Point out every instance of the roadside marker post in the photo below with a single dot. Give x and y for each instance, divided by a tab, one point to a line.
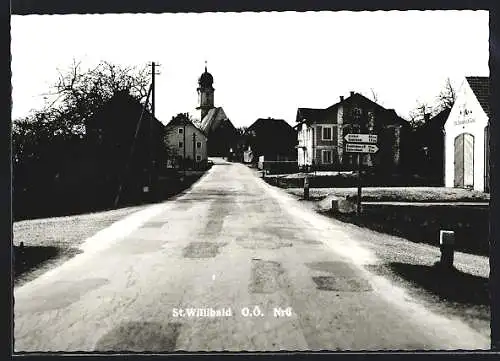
306	187
360	144
447	248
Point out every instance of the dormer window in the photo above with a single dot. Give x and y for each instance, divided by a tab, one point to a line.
181	130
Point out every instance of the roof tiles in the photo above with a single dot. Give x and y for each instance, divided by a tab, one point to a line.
480	85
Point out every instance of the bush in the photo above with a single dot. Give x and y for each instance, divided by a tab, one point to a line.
281	167
351	180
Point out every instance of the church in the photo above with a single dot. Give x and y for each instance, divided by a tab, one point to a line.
221	133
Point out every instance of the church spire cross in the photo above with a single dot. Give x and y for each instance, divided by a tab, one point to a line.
205	66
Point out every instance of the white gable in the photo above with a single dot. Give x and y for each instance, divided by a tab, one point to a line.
467	112
466	117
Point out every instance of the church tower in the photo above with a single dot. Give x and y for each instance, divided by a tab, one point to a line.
205	92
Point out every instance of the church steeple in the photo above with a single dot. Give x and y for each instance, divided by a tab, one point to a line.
205	92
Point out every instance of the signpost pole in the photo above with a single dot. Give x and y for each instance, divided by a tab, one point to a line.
360	144
358	208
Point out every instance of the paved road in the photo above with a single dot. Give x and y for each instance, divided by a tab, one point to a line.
232	242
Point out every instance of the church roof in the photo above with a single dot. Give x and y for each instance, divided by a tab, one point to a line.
215	118
180	121
480	85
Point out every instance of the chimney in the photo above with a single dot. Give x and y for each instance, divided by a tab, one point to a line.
341	98
352	93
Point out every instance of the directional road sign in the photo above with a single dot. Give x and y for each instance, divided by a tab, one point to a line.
361	138
360	148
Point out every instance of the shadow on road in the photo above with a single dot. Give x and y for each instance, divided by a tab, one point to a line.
28	258
453	286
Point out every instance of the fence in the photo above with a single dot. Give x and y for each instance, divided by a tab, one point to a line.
279	166
351	180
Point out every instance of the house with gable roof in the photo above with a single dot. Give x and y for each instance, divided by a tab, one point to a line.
186	143
272	138
321	133
467	137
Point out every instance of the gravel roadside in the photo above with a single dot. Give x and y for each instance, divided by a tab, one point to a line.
53	241
410	265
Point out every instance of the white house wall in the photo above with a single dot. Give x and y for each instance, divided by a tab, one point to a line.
173	139
479	120
305	138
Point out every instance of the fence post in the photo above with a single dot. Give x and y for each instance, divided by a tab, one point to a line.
447	247
306	187
22	255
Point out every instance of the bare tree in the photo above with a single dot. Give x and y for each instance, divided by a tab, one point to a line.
419	114
374	95
446	97
241	130
78	93
444	100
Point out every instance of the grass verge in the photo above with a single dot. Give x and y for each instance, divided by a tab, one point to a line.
398	194
422	224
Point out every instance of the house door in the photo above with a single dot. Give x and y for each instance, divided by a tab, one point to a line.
487	159
464	161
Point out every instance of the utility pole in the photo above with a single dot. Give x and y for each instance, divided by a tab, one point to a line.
184	146
194	149
132	148
151	120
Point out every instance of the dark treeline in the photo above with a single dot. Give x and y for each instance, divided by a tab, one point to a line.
73	156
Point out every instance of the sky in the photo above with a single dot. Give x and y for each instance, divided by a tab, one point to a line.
263	64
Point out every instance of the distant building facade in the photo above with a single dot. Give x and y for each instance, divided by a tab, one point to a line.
272	138
467	137
321	132
185	142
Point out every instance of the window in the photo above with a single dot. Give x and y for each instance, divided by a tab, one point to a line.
327	156
198	157
180	144
198	144
180	130
327	133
